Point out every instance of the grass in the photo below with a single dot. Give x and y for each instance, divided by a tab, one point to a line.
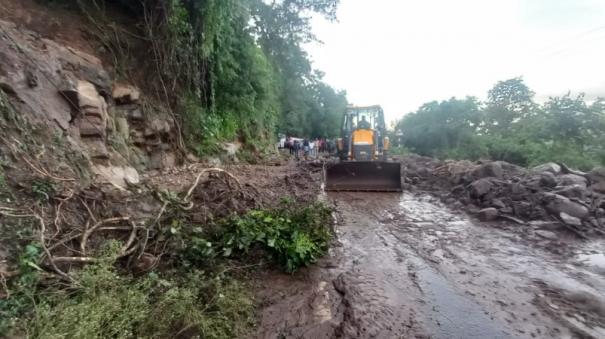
106	304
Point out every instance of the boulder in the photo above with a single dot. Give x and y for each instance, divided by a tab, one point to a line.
558	204
522	209
125	94
573	191
597	175
546	234
458	190
117	176
548	167
491	169
598	187
569	220
497	203
479	188
488	214
572	179
544	224
548	179
518	189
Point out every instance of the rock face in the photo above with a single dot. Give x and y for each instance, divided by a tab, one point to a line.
125	94
70	92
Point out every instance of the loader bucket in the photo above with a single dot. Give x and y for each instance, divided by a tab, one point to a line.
371	176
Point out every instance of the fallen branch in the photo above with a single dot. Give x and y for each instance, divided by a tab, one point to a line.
42	239
204	171
91	230
44	172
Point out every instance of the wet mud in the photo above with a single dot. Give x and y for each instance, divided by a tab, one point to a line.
406	266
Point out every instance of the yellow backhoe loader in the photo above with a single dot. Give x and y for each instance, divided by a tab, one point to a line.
362	151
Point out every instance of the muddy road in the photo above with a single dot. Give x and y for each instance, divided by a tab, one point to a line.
405	266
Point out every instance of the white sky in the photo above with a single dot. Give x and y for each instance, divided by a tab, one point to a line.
403	53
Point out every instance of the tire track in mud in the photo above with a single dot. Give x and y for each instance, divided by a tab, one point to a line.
408	267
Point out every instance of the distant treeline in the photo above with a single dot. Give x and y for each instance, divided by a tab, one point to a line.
510	126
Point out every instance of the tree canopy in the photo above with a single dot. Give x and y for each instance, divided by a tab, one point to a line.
510	126
240	68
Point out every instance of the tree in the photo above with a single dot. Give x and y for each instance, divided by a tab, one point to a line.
508	102
440	126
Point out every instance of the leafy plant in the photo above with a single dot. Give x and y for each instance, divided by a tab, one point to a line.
293	236
42	189
22	290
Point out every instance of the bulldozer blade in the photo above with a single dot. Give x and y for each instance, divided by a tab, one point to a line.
371	176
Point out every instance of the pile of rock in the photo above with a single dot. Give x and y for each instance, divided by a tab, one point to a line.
548	192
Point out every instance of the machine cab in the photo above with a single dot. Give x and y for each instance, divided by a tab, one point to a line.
362	133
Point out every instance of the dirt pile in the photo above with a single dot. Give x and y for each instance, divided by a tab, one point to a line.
72	224
549	194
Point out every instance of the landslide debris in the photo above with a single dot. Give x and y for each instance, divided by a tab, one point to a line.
550	195
87	161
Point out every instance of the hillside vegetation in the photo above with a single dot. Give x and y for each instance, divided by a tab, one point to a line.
231	69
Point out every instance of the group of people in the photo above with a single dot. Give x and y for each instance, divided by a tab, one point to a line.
306	148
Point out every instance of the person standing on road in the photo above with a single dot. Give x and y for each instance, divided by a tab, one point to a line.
289	145
296	149
306	148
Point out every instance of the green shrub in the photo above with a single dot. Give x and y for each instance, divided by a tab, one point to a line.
42	189
292	235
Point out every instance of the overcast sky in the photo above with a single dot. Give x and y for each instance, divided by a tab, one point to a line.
403	53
